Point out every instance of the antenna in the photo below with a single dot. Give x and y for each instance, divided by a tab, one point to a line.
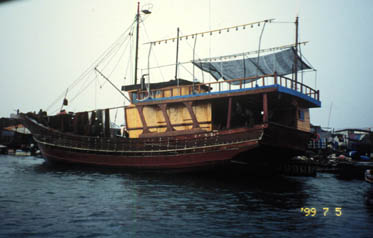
146	10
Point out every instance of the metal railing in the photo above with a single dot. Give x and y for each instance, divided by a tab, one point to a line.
229	85
163	145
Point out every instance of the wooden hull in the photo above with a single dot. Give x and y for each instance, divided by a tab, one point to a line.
185	152
182	161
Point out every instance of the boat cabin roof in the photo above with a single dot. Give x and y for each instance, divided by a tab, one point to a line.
171	83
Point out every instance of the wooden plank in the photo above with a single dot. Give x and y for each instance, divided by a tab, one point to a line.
173	124
163	107
188	105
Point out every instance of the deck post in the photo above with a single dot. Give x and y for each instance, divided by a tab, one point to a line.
91	123
76	123
142	118
107	123
229	113
86	123
62	123
265	108
188	105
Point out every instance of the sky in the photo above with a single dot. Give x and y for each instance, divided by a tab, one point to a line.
46	45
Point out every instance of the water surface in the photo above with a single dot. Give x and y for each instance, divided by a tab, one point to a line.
40	200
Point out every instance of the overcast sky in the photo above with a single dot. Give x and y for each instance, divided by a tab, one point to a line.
46	44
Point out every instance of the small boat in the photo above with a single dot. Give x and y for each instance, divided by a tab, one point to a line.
14	135
369	176
253	112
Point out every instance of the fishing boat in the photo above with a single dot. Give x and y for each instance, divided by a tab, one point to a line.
256	111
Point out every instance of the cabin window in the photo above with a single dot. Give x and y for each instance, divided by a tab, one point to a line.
134	96
301	114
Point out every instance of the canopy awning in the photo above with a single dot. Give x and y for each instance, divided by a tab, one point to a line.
281	62
18	128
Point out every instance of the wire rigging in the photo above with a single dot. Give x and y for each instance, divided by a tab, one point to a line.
87	72
118	61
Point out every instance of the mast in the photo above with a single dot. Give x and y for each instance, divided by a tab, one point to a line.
296	51
137	39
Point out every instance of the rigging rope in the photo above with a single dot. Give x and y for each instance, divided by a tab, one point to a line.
118	61
129	62
91	67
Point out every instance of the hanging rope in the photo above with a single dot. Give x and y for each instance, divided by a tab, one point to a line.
227	29
129	62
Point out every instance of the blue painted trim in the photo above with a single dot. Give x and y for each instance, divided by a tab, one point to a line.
279	88
298	94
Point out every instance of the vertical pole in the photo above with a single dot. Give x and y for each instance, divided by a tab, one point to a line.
137	39
177	56
150	49
296	53
265	108
194	53
229	113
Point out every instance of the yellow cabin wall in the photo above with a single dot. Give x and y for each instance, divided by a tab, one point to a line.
177	113
203	114
132	120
